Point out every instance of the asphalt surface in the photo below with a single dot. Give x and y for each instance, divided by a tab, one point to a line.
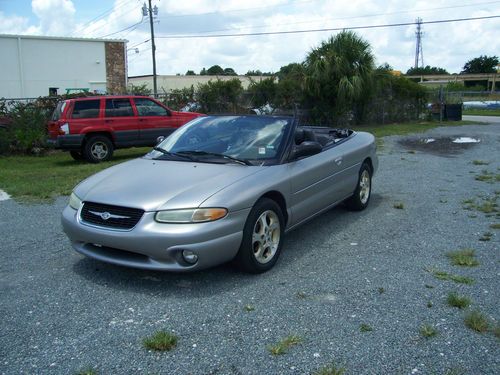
62	312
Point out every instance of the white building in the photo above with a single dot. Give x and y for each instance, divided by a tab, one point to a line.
33	66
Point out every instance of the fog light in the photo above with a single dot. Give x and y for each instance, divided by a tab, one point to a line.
189	256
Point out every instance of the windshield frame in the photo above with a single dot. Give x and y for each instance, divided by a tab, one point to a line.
276	159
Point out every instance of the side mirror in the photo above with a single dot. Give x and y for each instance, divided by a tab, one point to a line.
306	148
160	139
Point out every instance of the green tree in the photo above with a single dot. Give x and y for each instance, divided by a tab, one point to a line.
215	70
426	70
339	76
481	64
230	72
203	72
190	73
262	92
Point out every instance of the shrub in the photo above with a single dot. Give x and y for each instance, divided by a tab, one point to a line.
219	96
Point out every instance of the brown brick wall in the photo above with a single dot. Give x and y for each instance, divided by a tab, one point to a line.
116	71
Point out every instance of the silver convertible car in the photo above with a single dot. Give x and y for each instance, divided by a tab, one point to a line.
220	188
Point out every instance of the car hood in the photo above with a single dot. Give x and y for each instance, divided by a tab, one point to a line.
161	184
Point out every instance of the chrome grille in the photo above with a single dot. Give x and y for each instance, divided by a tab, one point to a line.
109	216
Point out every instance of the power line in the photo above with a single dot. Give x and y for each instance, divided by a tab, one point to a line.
135	25
88	24
356	17
323	29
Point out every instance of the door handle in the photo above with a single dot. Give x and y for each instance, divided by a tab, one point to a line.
338	160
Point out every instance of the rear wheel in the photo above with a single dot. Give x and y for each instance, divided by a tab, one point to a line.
262	237
361	197
98	148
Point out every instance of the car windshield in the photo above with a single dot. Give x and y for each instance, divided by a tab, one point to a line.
227	139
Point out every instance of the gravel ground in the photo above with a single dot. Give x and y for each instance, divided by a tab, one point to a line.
62	313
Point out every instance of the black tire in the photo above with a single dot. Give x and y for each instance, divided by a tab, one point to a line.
98	148
247	258
359	200
76	155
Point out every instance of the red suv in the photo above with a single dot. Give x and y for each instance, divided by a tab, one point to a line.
92	127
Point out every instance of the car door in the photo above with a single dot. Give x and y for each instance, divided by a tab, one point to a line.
120	117
319	181
154	120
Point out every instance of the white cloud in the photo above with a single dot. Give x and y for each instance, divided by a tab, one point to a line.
444	45
56	16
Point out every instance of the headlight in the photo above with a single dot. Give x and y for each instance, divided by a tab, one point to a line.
191	215
74	201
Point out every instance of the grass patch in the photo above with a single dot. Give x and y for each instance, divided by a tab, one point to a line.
486	236
477	321
455	300
249	308
160	341
408	128
486	176
381	290
481	112
464	258
428	331
429	304
442	275
36	178
87	371
495	226
331	369
365	328
480	162
285	344
399	206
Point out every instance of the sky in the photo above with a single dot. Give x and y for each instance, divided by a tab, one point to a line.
446	45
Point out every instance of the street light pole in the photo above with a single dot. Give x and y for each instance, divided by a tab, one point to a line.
153	48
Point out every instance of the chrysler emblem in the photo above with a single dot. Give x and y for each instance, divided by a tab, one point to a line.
106	215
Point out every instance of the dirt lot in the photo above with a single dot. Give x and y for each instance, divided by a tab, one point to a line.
356	288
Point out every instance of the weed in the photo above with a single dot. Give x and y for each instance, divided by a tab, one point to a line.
428	331
160	341
411	151
442	275
477	321
87	371
365	328
428	286
486	236
331	369
464	257
249	308
285	344
495	226
429	304
443	201
381	290
488	176
455	300
480	162
496	331
301	295
399	206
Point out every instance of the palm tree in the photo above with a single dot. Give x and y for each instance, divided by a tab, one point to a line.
339	77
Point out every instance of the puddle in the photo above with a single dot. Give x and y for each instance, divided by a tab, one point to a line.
466	140
3	195
442	146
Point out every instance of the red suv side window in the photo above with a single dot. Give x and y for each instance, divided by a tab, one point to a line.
147	107
118	108
86	109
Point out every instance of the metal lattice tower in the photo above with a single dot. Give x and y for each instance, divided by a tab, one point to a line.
419	53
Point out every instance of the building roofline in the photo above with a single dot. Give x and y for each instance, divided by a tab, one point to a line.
16	36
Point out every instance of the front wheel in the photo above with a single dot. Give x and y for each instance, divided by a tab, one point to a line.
361	197
98	148
262	237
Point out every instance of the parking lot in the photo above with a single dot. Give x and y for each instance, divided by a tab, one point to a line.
337	274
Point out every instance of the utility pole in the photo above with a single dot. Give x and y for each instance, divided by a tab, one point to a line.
419	53
145	11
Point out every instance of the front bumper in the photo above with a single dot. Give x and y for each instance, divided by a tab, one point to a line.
155	246
67	142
